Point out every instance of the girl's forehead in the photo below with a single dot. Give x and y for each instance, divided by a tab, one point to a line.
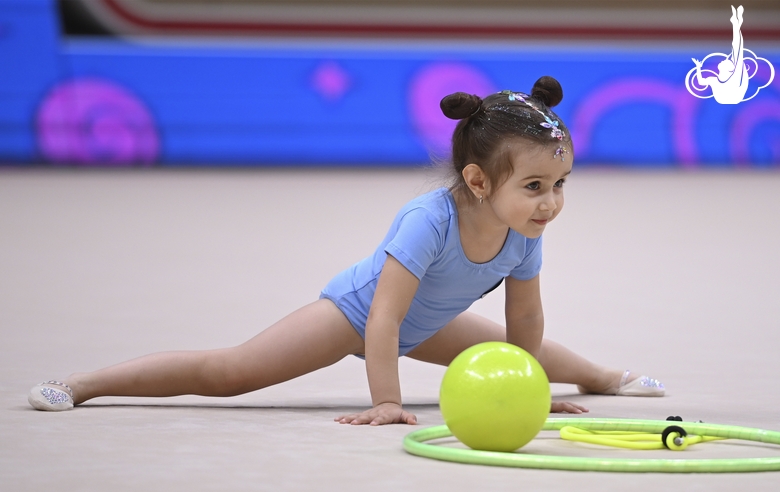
552	172
545	158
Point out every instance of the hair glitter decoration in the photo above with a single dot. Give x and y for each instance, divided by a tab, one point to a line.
516	96
561	151
555	132
532	130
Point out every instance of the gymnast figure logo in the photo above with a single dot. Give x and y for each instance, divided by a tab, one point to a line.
730	84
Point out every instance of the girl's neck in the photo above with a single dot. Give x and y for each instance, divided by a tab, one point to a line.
482	235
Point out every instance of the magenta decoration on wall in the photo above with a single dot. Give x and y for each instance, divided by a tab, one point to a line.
428	87
330	81
614	94
745	123
96	122
749	119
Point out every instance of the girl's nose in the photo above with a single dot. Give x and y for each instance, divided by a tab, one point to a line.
548	203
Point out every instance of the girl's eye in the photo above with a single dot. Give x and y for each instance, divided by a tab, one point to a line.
559	183
533	186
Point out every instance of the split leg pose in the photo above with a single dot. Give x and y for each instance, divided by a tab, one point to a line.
309	339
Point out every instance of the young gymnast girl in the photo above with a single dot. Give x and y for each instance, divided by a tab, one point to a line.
511	155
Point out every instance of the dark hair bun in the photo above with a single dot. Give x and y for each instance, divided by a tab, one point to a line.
548	90
460	105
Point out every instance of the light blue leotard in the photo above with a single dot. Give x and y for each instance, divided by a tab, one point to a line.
424	238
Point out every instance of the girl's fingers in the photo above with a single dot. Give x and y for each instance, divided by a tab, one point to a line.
402	418
378	417
574	408
354	419
361	420
570	409
381	419
372	418
565	406
346	419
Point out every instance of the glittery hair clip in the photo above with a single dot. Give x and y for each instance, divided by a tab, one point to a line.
517	96
561	151
555	132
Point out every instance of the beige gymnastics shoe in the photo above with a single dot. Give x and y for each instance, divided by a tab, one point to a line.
51	396
641	386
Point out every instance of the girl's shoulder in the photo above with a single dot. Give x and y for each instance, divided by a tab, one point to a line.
438	204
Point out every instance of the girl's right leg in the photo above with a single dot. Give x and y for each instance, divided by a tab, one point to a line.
561	364
312	337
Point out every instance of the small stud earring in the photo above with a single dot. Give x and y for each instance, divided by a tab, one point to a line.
480	199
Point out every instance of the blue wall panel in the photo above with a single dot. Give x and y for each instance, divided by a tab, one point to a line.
29	65
106	101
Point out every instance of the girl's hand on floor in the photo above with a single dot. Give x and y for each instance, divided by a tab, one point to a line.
565	406
384	413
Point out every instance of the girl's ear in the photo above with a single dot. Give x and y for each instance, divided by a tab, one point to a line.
476	180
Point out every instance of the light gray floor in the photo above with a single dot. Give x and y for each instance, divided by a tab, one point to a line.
674	275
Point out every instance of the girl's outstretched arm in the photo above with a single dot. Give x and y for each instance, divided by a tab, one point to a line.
524	314
525	325
394	293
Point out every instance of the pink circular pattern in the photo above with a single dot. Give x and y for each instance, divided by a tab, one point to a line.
96	122
623	91
745	123
428	87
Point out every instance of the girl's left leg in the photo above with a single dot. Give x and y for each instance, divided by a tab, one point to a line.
314	336
561	364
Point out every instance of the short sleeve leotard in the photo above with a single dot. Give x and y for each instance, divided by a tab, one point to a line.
424	238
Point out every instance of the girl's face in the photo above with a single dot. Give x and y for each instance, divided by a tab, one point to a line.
532	196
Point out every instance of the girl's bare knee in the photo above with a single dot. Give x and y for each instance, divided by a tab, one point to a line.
224	375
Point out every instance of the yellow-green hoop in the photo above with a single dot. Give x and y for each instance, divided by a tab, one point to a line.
414	443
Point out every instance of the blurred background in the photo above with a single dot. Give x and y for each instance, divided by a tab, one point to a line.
166	83
330	110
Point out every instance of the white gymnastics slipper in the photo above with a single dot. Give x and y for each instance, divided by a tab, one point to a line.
641	386
51	396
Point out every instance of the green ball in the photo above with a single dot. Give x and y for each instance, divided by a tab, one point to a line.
495	397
